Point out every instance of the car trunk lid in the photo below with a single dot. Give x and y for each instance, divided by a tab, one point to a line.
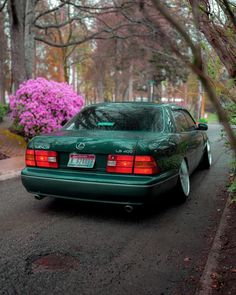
88	144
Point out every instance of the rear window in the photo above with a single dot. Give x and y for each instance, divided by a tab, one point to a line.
126	118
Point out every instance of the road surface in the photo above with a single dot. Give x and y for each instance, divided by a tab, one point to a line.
64	247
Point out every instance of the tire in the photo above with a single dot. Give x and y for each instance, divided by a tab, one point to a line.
207	157
183	184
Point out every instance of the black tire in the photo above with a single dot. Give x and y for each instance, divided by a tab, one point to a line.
207	157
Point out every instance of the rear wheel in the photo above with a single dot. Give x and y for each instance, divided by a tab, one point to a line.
207	157
183	184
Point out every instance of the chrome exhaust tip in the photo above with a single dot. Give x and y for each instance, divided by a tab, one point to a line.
37	197
129	208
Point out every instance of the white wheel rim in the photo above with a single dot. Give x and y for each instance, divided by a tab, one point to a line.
184	178
209	155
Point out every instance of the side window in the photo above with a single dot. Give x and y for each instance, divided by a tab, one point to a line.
191	123
157	124
169	122
180	121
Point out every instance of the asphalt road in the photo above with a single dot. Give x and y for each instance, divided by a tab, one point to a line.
63	247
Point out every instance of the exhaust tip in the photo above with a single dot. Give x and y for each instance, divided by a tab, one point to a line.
38	197
129	208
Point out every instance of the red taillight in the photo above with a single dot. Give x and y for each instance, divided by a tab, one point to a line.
145	165
120	163
30	158
46	159
132	164
41	158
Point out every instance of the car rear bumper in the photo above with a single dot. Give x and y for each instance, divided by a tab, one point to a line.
98	187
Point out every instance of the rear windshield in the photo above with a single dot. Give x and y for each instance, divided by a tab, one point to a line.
135	118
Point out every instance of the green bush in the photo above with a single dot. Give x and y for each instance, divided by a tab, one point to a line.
231	108
7	108
202	120
3	111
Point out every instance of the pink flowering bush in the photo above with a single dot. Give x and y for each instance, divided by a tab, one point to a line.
42	106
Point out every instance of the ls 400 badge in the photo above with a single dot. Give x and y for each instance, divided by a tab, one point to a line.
42	146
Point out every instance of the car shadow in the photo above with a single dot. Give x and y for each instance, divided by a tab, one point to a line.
73	208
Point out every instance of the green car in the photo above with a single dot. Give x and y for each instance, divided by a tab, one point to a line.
124	153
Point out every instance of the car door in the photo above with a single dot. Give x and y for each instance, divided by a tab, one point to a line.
191	139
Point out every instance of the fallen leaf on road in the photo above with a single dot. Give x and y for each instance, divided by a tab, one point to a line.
214	275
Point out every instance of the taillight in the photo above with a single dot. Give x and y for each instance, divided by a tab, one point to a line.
41	158
46	159
30	158
132	164
145	165
120	163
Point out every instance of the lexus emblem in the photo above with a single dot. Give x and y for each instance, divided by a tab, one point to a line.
80	146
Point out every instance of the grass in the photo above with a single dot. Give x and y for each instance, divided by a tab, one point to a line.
14	137
212	118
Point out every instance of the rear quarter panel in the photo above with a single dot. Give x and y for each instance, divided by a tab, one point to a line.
167	149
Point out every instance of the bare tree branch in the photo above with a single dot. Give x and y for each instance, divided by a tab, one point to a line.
71	43
49	11
57	25
217	35
110	33
177	25
98	7
3	5
229	11
198	70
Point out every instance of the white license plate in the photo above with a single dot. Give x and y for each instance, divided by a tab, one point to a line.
81	160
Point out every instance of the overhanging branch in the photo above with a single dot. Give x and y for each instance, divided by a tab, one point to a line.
3	5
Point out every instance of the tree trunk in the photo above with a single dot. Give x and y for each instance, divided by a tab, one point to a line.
117	86
117	69
131	81
21	14
100	82
2	60
65	72
29	36
16	15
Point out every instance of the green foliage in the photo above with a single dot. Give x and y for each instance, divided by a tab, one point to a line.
17	128
202	120
3	111
231	108
212	118
232	187
7	108
214	67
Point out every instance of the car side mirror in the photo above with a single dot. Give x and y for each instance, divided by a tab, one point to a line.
202	126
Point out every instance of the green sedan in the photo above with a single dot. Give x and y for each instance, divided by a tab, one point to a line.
125	153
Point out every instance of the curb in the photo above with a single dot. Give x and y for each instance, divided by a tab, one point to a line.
11	168
10	175
212	260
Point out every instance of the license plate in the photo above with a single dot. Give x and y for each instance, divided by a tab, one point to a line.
81	161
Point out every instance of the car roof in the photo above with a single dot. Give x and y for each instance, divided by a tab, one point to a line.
137	103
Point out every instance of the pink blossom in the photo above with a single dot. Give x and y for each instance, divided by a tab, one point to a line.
41	106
